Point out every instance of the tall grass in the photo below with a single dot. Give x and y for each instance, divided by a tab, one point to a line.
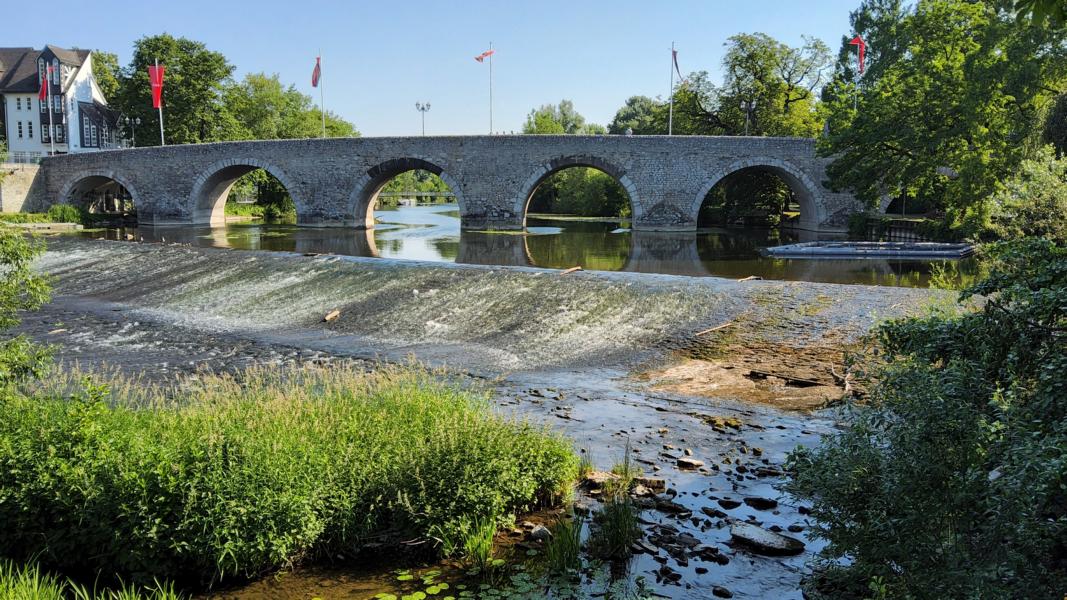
29	582
236	477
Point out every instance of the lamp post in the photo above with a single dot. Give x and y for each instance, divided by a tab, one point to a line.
133	123
748	106
423	109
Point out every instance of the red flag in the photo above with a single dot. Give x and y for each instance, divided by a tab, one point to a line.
317	73
155	78
43	94
484	55
858	41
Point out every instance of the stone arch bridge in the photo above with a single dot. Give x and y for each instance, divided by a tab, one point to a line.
335	182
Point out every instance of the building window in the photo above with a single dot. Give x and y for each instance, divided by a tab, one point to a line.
18	103
20	130
59	133
30	129
57	104
55	70
40	69
93	141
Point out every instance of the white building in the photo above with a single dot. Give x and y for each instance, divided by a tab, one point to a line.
77	120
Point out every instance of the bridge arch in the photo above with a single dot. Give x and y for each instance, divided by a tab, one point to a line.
364	195
808	194
551	167
89	179
212	186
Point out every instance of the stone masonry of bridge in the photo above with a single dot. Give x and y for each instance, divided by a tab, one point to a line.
335	182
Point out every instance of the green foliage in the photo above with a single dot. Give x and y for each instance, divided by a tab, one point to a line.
1056	126
192	93
417	180
1033	203
639	114
744	195
563	552
226	477
107	73
271	198
952	482
1050	12
954	100
24	218
65	213
265	109
582	191
20	289
559	119
29	582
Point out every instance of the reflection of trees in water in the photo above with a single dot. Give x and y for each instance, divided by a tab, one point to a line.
590	245
446	248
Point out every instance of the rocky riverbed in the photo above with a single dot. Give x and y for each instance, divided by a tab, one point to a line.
710	382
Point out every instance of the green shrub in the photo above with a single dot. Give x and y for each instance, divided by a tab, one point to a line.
232	477
24	218
952	482
1034	201
21	289
65	213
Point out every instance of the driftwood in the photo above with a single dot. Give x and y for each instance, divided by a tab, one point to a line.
843	380
571	270
750	278
333	314
716	328
809	382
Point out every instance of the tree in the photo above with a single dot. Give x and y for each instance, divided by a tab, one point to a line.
1056	126
950	117
192	93
638	114
1052	12
558	119
265	109
107	73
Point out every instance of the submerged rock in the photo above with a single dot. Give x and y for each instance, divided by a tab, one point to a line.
765	542
689	463
760	503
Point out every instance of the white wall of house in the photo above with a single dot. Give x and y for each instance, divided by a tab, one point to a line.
23	109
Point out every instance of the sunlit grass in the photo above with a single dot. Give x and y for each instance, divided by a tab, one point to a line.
221	476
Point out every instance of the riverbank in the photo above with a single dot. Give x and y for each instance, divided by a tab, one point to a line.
589	353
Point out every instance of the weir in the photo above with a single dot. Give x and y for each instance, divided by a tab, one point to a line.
336	182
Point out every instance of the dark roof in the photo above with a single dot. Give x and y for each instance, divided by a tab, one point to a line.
100	112
70	57
18	70
18	66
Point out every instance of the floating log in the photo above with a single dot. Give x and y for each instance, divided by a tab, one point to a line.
571	270
330	316
750	278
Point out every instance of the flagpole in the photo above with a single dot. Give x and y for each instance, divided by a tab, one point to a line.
490	88
670	112
51	128
322	97
161	141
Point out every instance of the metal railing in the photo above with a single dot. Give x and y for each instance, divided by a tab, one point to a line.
24	157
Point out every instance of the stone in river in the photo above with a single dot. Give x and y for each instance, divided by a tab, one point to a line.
689	463
729	504
760	503
765	542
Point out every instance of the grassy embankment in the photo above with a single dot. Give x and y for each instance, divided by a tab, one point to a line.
227	478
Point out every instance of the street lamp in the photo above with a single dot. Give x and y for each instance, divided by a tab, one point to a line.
748	106
423	109
133	123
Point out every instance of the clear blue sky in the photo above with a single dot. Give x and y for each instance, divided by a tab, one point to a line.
379	58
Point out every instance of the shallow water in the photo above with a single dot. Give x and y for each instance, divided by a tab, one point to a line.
433	233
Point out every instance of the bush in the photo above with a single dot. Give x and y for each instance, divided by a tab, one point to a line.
952	483
1034	202
24	218
65	213
242	477
20	289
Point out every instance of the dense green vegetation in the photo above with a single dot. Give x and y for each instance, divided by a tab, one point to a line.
29	582
957	94
234	478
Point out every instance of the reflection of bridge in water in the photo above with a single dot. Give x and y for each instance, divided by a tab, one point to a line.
677	253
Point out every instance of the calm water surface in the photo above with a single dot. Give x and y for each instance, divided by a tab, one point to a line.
433	233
